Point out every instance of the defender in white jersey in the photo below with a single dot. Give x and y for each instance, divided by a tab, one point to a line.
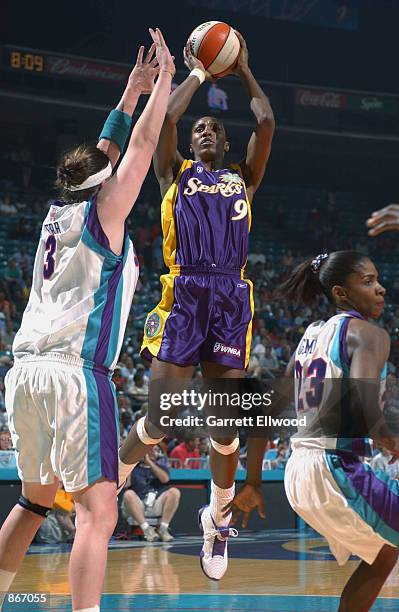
59	395
73	329
339	368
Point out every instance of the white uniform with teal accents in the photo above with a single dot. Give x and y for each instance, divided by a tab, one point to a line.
326	479
59	395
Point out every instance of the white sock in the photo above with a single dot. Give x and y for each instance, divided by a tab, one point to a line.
144	525
6	579
93	609
164	525
219	498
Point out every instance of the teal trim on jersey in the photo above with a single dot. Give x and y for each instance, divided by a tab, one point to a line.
357	502
94	471
335	353
94	321
116	319
93	245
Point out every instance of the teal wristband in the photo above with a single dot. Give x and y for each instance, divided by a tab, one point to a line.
117	128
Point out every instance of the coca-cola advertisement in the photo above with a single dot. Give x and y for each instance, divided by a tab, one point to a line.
85	69
320	99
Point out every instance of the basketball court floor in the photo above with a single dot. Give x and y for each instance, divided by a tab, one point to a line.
276	571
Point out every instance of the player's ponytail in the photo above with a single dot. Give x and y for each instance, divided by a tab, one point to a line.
75	168
303	286
319	275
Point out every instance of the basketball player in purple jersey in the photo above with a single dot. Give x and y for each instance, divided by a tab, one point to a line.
205	315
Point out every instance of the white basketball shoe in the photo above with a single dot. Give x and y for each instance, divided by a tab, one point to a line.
213	557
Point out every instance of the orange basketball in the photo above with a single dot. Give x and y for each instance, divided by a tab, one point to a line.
216	45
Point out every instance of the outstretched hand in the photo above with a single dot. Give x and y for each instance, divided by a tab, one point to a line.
163	55
247	499
145	71
384	220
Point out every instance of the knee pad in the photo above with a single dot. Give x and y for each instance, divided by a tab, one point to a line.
35	508
226	449
143	435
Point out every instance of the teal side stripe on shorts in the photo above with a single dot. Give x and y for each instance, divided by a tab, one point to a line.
94	471
357	501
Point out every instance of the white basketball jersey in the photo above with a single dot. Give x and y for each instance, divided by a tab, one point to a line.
81	291
321	391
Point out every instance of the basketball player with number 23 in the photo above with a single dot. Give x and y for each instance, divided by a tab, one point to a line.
205	314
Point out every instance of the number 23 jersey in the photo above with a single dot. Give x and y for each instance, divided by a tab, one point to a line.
206	218
322	389
81	291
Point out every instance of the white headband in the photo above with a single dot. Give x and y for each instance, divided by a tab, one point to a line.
94	179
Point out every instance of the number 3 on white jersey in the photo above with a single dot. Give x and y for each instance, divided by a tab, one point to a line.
241	208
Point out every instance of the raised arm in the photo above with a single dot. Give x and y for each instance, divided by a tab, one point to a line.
117	125
117	197
167	159
259	146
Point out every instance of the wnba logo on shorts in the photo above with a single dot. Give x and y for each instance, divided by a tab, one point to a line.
152	325
228	350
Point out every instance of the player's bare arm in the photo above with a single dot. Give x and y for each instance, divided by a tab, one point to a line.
368	348
118	196
260	142
141	81
250	495
167	159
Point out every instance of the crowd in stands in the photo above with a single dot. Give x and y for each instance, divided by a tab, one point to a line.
277	326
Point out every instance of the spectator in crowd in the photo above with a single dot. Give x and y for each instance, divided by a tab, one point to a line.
7	207
269	363
59	525
22	229
2	402
203	449
148	495
13	275
381	461
217	98
117	378
127	369
138	390
188	449
258	255
282	455
5	440
24	259
5	363
157	254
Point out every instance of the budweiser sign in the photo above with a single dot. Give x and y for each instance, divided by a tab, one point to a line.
83	69
320	99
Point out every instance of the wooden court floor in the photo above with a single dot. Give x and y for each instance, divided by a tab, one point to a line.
276	571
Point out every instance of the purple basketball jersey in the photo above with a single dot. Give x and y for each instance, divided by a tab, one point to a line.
212	218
